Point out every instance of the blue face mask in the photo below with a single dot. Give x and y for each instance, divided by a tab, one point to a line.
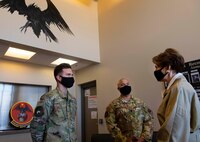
159	75
125	90
68	82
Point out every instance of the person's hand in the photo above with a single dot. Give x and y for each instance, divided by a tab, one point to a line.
141	140
129	139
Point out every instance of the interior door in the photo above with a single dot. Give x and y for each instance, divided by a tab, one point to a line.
89	111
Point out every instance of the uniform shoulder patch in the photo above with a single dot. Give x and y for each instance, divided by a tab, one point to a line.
39	111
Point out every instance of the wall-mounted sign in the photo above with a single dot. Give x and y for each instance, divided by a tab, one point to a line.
192	74
92	101
21	114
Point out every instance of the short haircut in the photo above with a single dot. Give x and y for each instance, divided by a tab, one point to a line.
58	69
170	57
120	82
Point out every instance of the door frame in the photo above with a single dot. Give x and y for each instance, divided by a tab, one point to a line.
83	87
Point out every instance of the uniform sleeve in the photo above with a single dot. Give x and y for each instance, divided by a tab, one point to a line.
112	126
38	124
147	131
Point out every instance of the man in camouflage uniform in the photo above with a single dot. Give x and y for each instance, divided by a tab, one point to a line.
54	117
128	119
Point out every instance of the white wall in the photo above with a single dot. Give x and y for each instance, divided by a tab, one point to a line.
82	18
80	15
131	33
16	72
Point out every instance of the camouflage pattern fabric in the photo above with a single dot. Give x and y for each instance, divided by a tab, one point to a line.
54	118
129	119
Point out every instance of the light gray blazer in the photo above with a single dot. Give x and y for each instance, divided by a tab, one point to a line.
179	113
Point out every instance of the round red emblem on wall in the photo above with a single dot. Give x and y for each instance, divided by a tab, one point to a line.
21	114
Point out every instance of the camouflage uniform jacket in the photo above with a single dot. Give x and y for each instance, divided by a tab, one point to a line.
54	118
126	119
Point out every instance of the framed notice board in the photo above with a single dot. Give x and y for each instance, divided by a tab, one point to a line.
192	74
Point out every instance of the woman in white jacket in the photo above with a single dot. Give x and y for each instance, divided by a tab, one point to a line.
179	111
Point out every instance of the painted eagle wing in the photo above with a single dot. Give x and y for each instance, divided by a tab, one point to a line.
52	16
14	5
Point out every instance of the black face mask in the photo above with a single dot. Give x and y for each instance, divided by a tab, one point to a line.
125	90
159	75
67	81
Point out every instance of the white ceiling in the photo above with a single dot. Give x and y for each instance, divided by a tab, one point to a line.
42	57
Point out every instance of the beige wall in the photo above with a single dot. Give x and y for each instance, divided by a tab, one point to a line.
132	32
80	15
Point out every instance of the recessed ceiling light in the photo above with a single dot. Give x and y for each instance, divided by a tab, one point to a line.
19	53
62	60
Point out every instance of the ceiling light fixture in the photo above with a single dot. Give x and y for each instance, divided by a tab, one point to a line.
62	60
19	53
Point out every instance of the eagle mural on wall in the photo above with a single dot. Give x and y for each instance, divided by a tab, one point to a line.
36	19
